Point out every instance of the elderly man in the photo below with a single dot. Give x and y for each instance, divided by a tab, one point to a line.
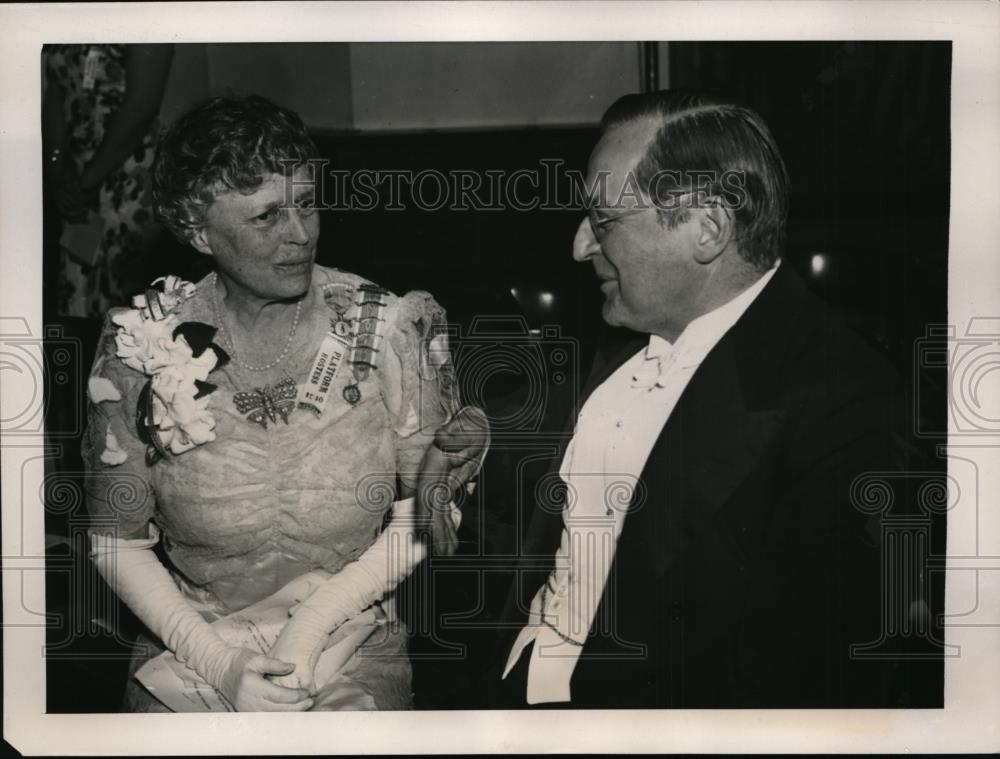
708	553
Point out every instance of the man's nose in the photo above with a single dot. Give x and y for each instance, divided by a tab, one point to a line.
296	228
585	245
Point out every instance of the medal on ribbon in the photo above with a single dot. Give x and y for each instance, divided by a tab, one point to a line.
371	302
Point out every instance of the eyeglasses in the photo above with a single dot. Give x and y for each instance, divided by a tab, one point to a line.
599	224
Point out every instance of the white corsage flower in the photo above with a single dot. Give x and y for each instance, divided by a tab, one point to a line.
175	419
141	342
182	420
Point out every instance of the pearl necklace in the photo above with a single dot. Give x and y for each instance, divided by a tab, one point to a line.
229	339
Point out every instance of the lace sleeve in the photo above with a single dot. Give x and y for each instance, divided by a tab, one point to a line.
118	489
421	392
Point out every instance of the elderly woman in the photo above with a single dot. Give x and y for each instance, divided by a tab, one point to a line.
258	427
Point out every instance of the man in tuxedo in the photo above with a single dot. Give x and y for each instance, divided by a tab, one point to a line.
708	552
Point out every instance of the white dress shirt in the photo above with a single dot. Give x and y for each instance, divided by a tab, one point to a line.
615	432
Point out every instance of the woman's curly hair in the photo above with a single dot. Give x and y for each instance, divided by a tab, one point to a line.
223	143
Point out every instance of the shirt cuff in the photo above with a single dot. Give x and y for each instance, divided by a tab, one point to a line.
551	668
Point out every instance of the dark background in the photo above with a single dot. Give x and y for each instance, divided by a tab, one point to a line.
864	129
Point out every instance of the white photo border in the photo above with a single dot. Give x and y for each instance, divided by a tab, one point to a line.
972	699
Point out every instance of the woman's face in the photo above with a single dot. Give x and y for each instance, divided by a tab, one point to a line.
264	242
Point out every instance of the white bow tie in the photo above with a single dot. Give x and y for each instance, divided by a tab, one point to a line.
661	358
653	370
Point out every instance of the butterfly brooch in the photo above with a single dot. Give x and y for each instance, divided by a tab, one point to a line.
271	402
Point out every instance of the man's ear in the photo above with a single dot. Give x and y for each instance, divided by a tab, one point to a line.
715	231
199	240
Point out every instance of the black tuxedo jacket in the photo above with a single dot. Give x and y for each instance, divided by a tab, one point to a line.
745	571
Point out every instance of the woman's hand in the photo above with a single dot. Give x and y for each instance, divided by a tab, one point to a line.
449	464
245	686
303	659
300	643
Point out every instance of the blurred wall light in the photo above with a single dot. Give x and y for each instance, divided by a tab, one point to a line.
818	263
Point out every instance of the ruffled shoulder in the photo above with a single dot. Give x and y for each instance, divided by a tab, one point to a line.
417	333
411	348
110	377
413	322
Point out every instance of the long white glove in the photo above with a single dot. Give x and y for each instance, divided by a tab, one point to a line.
142	582
390	560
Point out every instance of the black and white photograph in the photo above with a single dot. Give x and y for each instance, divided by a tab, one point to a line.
461	362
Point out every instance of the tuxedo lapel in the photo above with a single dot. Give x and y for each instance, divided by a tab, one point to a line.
709	446
720	428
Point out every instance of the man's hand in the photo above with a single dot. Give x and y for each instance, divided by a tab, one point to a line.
450	463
